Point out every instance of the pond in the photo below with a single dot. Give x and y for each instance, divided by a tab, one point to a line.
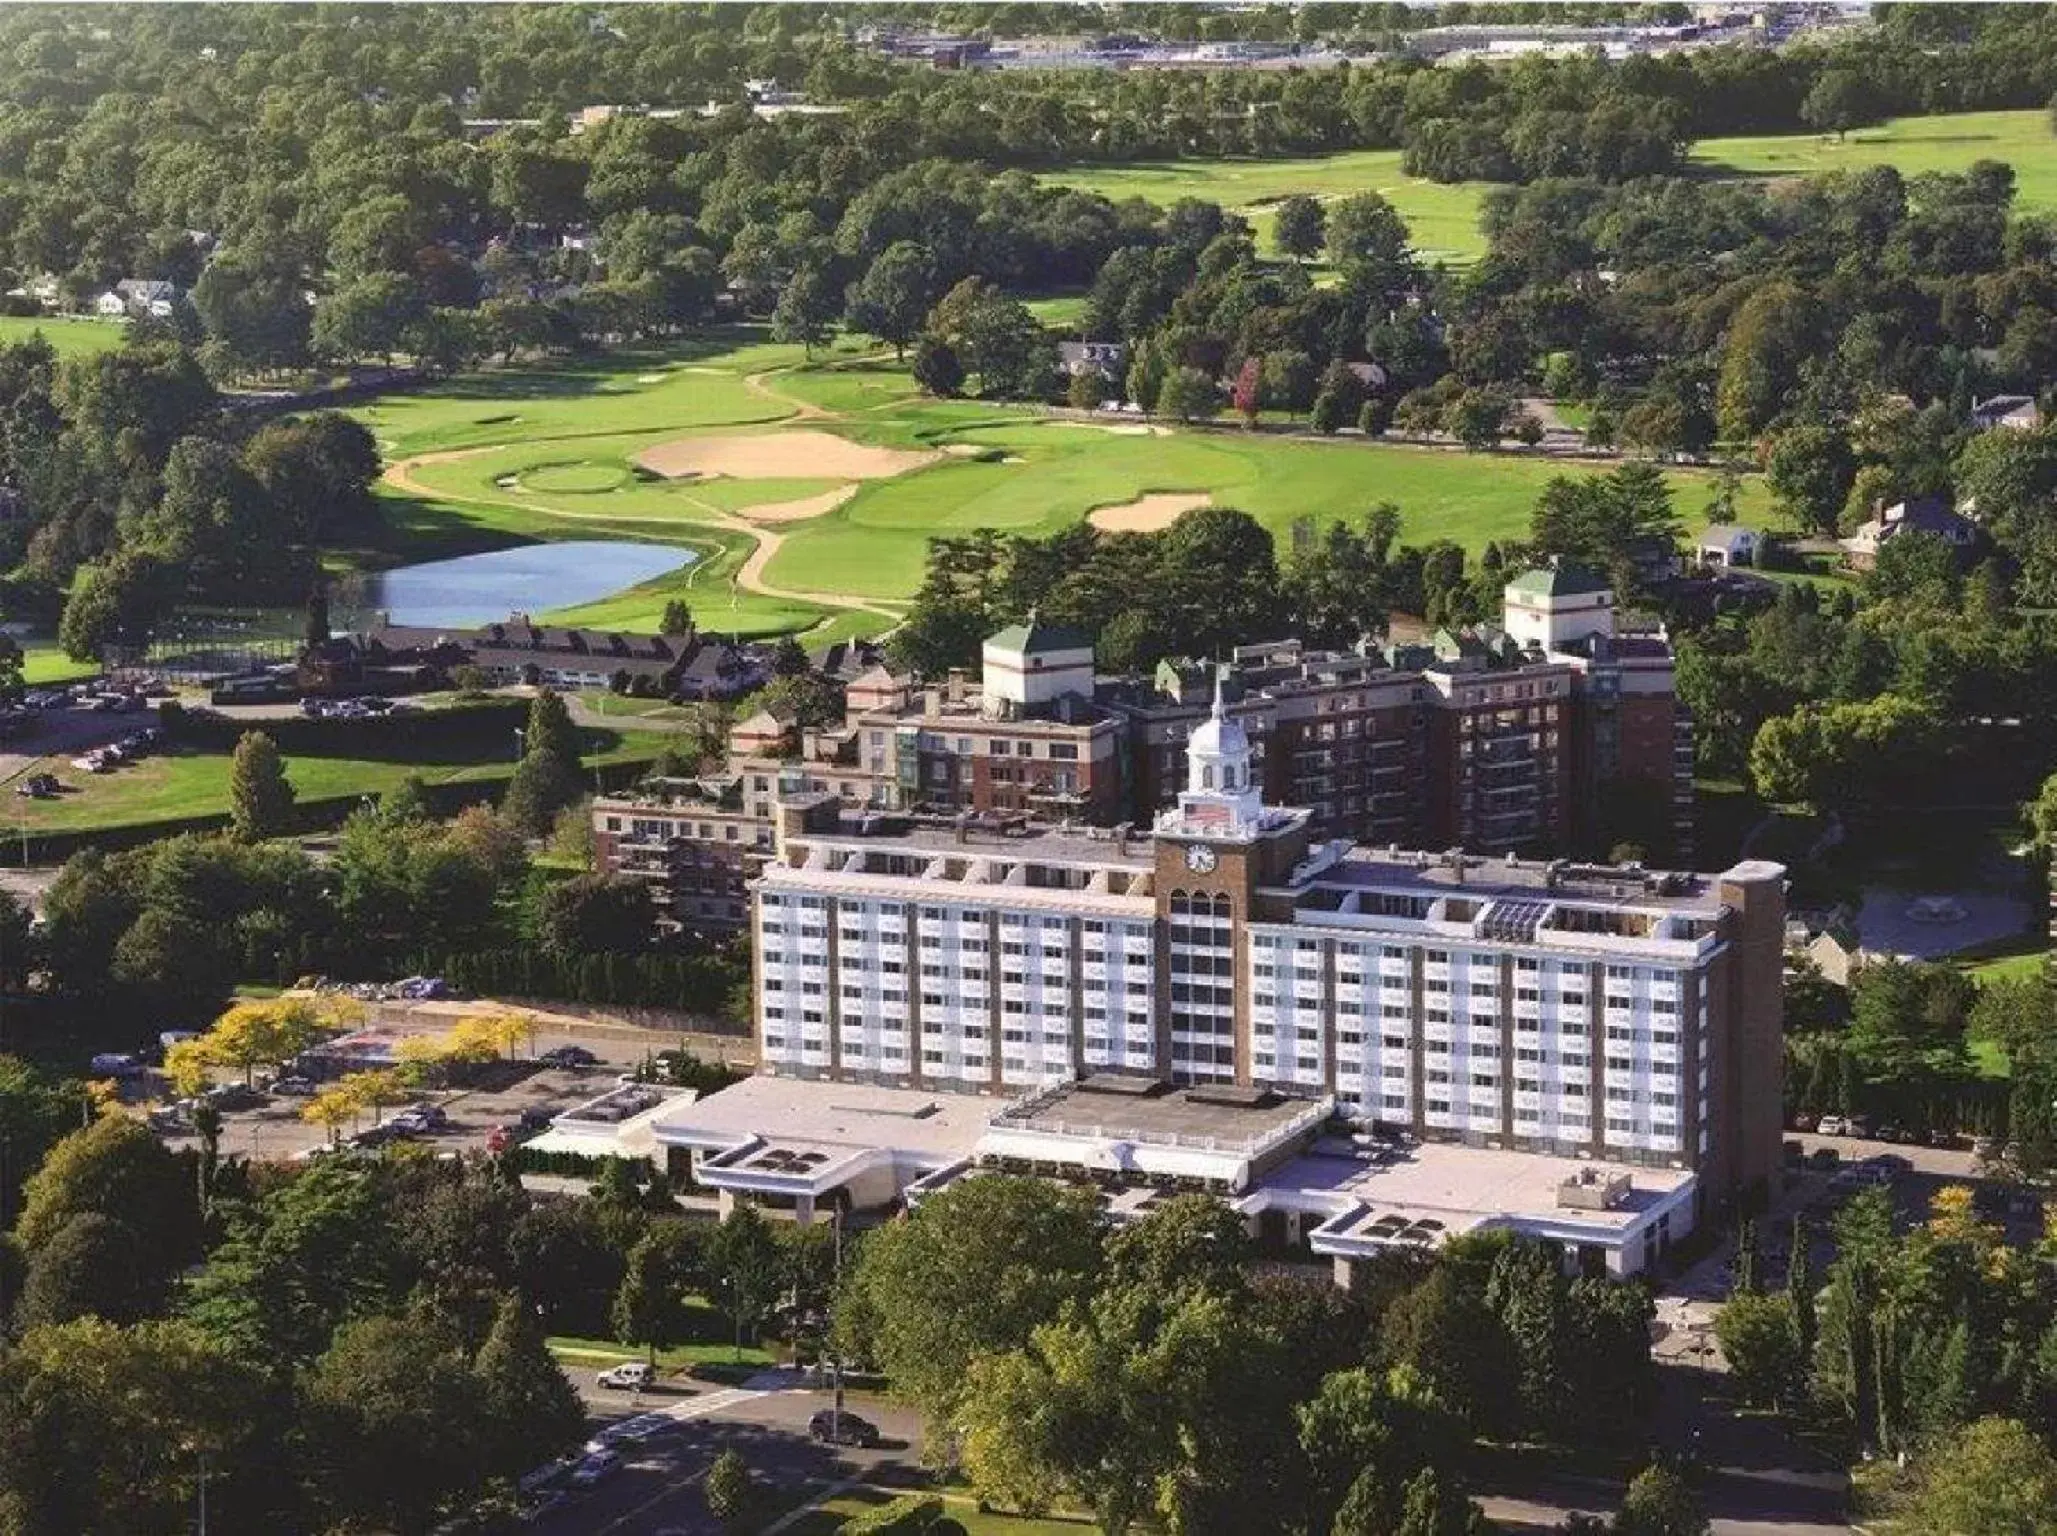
482	589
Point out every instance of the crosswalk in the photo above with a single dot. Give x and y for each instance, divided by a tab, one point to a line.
643	1426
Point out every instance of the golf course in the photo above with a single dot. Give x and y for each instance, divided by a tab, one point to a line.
1444	217
808	488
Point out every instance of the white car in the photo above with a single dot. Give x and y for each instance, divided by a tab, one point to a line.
1832	1125
631	1376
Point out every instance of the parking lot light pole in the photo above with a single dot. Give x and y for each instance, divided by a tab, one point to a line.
835	1355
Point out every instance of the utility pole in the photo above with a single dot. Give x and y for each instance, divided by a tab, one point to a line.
835	1356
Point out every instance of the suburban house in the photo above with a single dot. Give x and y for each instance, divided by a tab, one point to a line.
2017	411
1077	357
1727	545
151	296
1917	514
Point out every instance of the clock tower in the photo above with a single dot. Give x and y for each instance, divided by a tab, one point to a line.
1216	851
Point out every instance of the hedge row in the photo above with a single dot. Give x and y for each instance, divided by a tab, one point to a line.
911	1512
702	984
419	734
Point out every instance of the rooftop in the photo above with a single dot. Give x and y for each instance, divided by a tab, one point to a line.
1039	635
1561	580
797	1116
1385	1189
1142	1109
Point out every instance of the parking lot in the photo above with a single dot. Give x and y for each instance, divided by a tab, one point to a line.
271	1127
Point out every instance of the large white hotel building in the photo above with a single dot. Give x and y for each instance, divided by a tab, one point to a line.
1598	1013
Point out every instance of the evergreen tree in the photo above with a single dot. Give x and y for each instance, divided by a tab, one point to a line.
1800	1285
526	1403
1747	1260
728	1490
260	796
548	777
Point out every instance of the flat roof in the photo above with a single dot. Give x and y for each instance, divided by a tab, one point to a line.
797	1116
1190	1117
1457	1186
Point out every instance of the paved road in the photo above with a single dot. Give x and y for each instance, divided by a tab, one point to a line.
659	1488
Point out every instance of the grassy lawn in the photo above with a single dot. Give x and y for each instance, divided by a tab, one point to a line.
1911	144
43	663
832	1515
599	1353
1443	219
68	335
187	782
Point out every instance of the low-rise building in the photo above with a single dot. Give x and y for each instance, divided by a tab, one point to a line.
2020	413
1727	545
1917	514
692	842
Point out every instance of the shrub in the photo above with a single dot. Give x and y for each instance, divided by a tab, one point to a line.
908	1513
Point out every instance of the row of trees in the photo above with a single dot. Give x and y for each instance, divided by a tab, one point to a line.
1145	1373
133	490
1938	1341
171	925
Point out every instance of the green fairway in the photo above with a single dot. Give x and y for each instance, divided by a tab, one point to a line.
1910	144
876	543
68	335
1442	218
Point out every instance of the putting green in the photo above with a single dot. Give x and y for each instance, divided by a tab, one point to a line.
580	478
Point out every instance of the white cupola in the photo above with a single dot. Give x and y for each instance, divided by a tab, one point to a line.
1220	795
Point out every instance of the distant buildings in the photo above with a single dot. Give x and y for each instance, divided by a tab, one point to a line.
1917	514
1728	545
2021	413
1540	735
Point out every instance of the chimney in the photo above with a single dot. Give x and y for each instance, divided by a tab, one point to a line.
932	701
960	681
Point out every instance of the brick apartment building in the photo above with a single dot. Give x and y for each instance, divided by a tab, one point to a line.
1525	737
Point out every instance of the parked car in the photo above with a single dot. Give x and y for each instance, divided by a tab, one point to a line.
38	786
233	1096
594	1468
1804	1123
832	1428
630	1376
569	1056
296	1087
1892	1164
1832	1125
549	1475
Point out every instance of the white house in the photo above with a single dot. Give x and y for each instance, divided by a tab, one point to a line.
2020	412
1727	545
138	296
1918	514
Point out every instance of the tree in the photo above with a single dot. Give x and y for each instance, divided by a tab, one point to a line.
260	795
650	1305
394	1433
677	620
1367	238
549	777
596	915
113	1168
744	1268
1839	100
1477	417
1809	471
524	1397
1994	1476
728	1490
1660	1502
892	299
1761	1342
973	1271
805	310
1298	226
89	1268
1188	394
1247	393
937	368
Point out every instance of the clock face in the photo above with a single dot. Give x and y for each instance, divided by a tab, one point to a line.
1200	859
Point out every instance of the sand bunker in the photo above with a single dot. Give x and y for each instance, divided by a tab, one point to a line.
651	378
778	456
1148	514
799	511
1118	428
